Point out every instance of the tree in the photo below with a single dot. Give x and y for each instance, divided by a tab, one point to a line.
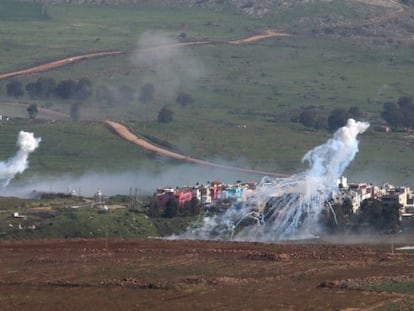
406	107
308	117
146	94
337	118
335	217
83	89
171	208
66	89
155	210
191	208
392	115
165	115
14	89
32	111
43	88
379	216
74	112
405	101
31	89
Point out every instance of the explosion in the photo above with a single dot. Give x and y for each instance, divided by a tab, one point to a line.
287	208
26	143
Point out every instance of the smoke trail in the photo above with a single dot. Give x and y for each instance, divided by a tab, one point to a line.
26	143
287	208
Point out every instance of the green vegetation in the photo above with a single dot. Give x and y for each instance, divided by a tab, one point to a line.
339	55
63	216
404	304
394	286
71	148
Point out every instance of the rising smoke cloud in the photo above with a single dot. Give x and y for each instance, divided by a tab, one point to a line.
287	208
27	143
172	63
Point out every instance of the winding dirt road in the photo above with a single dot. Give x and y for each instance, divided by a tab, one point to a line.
120	129
123	132
70	60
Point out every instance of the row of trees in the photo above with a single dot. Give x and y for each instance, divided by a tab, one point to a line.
400	114
372	216
313	117
45	88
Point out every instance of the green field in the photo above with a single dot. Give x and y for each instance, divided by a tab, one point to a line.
336	55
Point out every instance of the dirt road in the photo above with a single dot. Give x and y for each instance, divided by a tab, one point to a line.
123	132
58	63
70	60
267	34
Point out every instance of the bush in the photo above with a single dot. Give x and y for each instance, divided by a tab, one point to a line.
165	115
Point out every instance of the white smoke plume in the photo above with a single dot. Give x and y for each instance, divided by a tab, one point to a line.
287	208
27	143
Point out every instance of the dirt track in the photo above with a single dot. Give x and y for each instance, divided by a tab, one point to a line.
62	62
197	275
122	131
58	63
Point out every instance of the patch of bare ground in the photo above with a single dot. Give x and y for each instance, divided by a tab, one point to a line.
155	274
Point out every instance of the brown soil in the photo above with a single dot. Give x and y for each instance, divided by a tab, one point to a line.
158	274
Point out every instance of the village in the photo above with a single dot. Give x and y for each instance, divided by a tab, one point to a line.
394	205
217	196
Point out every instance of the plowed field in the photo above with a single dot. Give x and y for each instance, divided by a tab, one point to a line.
157	274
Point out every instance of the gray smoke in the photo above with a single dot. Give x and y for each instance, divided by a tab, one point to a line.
170	61
146	182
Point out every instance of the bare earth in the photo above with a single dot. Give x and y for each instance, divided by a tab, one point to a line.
156	274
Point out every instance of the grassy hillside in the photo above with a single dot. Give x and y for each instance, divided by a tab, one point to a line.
54	218
337	54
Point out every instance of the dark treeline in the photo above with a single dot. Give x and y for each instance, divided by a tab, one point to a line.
398	115
373	216
45	88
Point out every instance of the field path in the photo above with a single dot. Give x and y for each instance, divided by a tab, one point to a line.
267	34
58	63
123	132
70	60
